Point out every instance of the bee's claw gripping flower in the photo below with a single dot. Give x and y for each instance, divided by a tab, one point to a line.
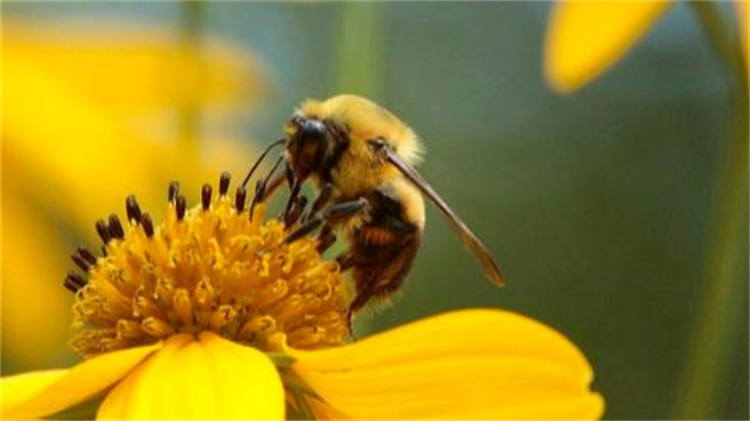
209	268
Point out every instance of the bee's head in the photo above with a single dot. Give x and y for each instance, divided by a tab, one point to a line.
311	145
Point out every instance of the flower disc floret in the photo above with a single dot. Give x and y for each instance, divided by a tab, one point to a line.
216	267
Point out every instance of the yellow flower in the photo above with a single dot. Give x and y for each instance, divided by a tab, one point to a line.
213	314
585	38
88	111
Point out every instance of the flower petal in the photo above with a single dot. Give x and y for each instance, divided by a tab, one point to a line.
584	38
88	124
482	330
206	379
467	364
154	69
16	389
44	393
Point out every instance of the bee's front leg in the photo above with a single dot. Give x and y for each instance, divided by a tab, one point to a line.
326	193
331	215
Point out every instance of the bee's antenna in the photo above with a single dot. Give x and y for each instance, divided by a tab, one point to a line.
260	188
260	159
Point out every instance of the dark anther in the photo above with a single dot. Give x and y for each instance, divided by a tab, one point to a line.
74	282
115	228
87	255
180	206
81	262
239	199
132	209
147	224
174	190
103	231
224	183
70	286
205	196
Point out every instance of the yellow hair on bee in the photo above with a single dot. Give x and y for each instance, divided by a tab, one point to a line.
365	121
363	156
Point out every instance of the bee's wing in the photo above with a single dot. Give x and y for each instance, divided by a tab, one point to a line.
454	221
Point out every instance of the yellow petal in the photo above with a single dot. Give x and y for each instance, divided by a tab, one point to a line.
207	379
87	155
50	392
469	364
584	38
21	387
133	69
482	332
743	17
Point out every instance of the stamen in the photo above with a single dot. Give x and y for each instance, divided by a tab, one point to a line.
103	230
70	286
183	306
216	270
174	190
156	327
222	317
205	196
224	183
81	262
132	209
128	329
74	282
87	255
147	224
239	199
115	228
180	205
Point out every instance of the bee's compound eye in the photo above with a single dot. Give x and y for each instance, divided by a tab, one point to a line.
312	129
378	144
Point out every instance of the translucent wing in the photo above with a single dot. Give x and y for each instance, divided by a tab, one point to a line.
454	221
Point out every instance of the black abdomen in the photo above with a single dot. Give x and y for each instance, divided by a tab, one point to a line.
382	250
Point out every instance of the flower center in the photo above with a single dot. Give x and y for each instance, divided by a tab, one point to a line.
217	267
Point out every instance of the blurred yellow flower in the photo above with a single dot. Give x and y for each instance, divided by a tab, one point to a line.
90	111
585	38
212	314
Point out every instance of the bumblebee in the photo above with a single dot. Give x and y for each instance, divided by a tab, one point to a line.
361	157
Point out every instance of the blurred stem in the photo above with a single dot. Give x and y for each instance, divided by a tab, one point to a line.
723	299
191	29
359	63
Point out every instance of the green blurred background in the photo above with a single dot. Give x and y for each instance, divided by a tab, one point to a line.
597	205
